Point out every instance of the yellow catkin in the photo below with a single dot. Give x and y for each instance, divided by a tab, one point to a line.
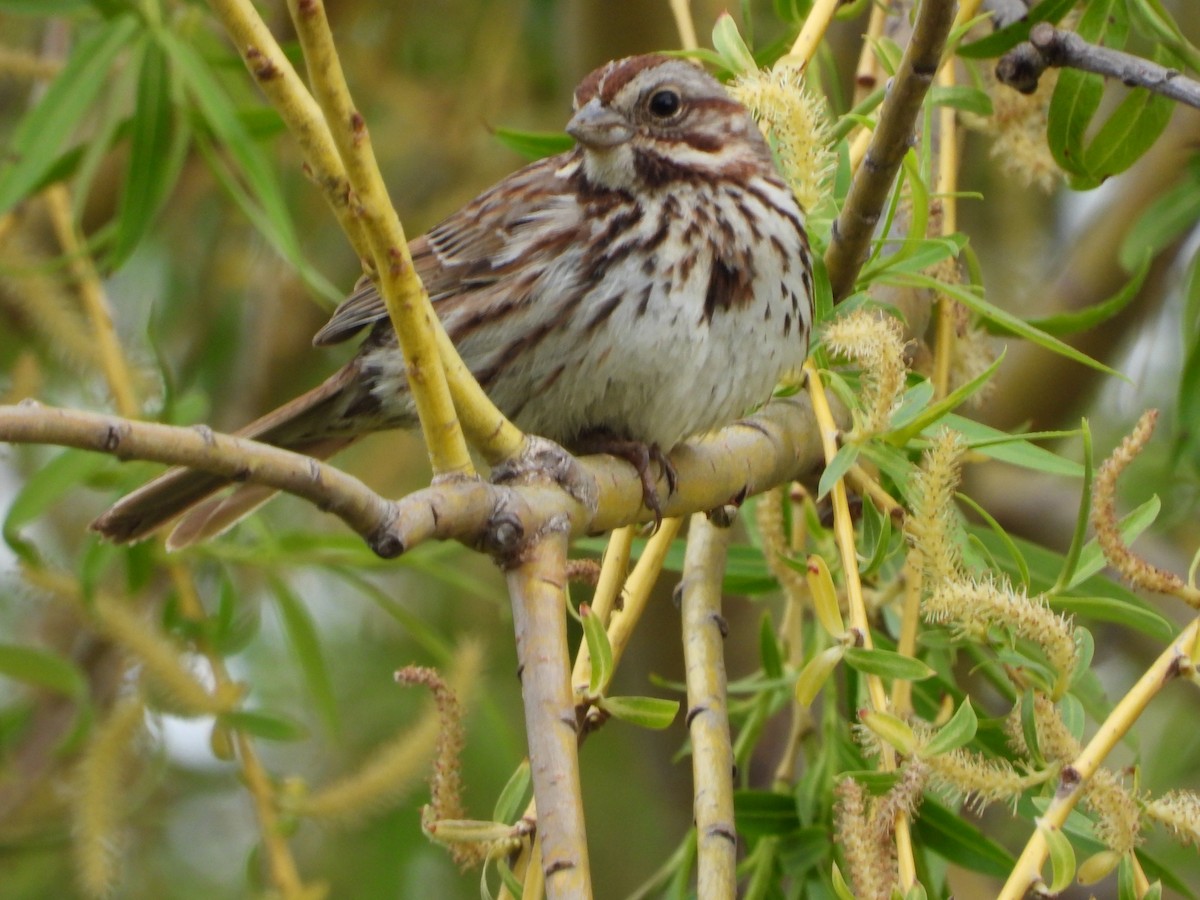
876	342
395	766
1018	128
1179	810
97	798
870	860
932	526
796	125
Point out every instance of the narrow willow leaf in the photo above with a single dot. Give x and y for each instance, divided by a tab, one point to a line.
894	730
958	732
840	889
599	649
952	400
43	669
1079	536
824	596
512	797
957	839
1062	859
887	664
149	175
916	399
764	813
768	648
45	487
1126	135
727	41
1016	449
1091	557
41	134
302	634
838	466
534	144
645	712
1000	42
270	726
968	99
816	672
1098	313
1163	222
1002	536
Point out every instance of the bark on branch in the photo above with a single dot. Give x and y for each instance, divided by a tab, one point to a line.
1022	67
852	232
776	444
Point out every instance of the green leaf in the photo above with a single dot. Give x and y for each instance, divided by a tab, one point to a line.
916	398
1108	609
768	648
816	672
302	634
958	732
838	466
1016	449
154	157
599	649
969	99
269	726
1075	100
887	664
45	487
1002	536
42	132
938	410
534	144
1079	536
645	712
43	669
1004	39
764	813
512	798
1091	558
1098	313
262	198
1127	134
727	41
958	840
42	7
1164	221
1062	859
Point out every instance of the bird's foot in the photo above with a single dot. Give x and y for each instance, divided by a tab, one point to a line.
640	455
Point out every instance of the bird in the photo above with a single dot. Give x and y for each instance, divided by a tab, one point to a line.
648	285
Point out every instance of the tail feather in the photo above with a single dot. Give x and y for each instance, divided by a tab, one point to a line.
294	426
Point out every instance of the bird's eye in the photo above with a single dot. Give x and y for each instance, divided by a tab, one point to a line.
664	104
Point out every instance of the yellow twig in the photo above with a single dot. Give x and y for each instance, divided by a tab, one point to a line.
95	305
682	11
947	184
843	526
1176	660
613	571
811	35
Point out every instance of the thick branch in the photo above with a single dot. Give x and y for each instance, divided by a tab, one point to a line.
776	444
537	585
851	237
1022	66
708	708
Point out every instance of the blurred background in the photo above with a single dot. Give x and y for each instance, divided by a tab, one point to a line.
218	327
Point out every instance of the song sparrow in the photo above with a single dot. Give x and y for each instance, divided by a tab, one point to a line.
651	284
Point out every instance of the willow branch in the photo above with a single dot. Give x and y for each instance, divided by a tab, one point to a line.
1048	46
537	585
852	231
708	710
775	445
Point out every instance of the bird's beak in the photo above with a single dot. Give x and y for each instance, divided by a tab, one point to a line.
597	127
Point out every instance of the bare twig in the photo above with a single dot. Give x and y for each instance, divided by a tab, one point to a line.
708	711
1047	46
851	235
537	586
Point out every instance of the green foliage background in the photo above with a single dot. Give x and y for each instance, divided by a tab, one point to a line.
222	263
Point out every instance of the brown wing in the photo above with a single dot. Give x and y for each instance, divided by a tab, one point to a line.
464	251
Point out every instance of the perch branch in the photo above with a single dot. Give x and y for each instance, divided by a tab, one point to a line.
855	225
1022	67
776	444
708	708
537	585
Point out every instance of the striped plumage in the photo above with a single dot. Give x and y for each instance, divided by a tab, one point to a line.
651	284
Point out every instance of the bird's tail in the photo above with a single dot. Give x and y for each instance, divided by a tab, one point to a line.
300	425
